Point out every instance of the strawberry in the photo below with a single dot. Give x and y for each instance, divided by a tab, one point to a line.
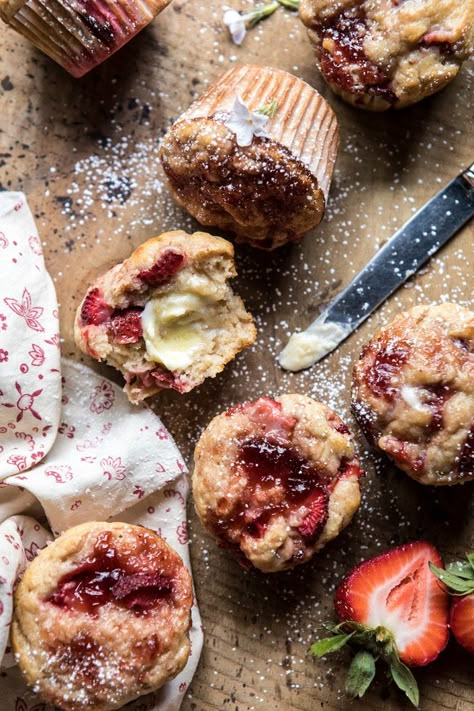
459	578
392	607
94	309
164	268
315	520
126	325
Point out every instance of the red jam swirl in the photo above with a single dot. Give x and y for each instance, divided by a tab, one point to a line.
383	375
343	58
101	579
290	481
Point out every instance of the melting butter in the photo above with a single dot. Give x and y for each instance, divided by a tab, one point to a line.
177	325
307	347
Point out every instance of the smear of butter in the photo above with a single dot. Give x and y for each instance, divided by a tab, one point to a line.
177	325
307	347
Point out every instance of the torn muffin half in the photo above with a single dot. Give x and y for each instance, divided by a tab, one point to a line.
254	156
166	317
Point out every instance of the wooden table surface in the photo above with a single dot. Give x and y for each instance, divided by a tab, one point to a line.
85	153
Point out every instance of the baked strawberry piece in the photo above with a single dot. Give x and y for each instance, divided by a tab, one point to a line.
413	393
390	607
166	316
378	54
275	480
459	578
102	616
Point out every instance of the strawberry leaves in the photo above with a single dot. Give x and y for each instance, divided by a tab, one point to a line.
376	643
360	675
458	576
330	644
404	679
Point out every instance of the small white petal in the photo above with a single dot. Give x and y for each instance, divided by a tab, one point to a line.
244	135
236	24
240	109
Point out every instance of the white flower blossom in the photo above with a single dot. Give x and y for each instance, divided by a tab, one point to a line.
236	24
246	124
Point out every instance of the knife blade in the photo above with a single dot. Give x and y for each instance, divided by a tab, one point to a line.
409	248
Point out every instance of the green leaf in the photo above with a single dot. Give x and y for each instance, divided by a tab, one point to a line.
452	580
405	680
290	4
470	557
360	674
461	569
329	644
269	109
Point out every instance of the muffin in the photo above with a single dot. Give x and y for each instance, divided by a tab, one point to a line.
102	616
79	35
378	54
262	176
275	480
413	393
166	316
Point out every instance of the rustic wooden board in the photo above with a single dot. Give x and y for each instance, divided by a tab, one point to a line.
85	154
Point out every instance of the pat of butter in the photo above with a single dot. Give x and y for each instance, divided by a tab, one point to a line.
175	327
307	347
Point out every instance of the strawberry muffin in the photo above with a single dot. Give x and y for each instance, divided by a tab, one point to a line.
254	155
102	616
79	35
413	393
166	316
275	480
378	54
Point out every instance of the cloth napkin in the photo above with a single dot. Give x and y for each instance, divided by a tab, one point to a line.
72	448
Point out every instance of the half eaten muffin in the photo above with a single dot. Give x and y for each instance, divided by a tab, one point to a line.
275	480
254	155
166	316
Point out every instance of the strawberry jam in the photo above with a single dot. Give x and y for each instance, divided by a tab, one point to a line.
343	58
101	579
289	481
389	357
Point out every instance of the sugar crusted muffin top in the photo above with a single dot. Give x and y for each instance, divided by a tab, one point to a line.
413	393
102	616
275	480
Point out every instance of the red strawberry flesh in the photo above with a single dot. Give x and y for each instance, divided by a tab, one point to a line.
94	310
315	520
126	325
163	270
462	621
397	591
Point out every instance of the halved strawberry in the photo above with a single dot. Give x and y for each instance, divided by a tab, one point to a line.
315	520
126	325
393	606
459	578
94	309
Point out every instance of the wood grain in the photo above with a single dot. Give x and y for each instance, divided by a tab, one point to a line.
85	154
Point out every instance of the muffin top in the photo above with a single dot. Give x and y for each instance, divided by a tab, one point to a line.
275	480
413	393
377	53
102	616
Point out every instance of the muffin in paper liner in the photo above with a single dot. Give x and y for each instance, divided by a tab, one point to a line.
79	34
269	192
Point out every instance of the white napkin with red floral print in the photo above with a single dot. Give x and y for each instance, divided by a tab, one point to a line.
72	448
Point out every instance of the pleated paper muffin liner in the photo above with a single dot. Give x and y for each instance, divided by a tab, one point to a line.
79	34
304	123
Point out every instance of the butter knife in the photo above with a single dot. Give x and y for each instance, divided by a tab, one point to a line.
409	248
